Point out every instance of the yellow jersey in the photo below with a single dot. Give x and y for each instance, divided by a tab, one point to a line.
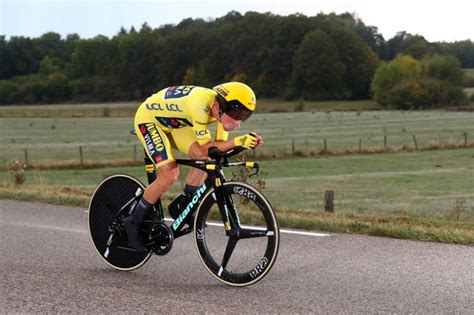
184	106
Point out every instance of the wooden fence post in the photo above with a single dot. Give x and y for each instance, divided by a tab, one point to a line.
329	201
81	156
465	139
416	143
385	142
292	146
325	146
360	145
26	157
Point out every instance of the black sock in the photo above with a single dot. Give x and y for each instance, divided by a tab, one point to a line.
190	189
142	208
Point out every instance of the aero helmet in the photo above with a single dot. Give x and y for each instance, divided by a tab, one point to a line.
236	99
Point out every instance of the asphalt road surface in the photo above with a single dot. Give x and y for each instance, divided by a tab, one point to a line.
48	264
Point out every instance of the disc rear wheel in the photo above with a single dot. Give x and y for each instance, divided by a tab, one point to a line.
106	229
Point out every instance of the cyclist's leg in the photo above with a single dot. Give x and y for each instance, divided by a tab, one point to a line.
158	149
188	145
183	139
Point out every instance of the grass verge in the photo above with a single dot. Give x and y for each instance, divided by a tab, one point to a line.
402	227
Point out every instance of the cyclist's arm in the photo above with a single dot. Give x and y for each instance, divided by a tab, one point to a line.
203	149
223	145
221	140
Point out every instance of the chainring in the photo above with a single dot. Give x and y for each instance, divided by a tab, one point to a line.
160	238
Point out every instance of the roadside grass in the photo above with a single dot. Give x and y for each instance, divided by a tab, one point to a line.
54	195
403	227
424	195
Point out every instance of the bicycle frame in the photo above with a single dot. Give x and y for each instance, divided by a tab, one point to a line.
214	180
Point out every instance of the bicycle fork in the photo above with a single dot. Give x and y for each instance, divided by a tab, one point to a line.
224	202
231	220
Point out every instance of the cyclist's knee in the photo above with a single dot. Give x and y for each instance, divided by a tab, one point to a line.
198	156
168	176
196	153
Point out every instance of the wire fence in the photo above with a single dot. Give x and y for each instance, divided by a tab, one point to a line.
82	154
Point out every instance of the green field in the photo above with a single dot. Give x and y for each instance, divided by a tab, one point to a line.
425	184
108	138
426	194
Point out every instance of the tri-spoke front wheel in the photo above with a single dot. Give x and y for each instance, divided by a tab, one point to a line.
244	252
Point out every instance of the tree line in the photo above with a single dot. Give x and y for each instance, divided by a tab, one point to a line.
327	56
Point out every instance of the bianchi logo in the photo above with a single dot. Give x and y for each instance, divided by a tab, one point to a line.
190	206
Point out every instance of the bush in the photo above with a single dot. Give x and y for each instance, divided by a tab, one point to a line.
445	68
407	95
35	88
388	75
18	171
57	88
8	92
406	83
425	93
96	88
468	81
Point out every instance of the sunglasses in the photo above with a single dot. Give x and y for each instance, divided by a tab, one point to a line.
237	111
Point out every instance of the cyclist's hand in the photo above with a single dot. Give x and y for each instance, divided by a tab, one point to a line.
248	141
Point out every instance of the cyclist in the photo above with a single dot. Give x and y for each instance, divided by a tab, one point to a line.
178	117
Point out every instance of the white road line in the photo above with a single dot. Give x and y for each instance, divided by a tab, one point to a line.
63	229
305	233
285	231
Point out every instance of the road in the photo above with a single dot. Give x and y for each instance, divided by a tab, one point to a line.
48	264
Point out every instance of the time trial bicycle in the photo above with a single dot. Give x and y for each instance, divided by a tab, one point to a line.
239	250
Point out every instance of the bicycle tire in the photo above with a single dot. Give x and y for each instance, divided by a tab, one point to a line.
257	257
109	196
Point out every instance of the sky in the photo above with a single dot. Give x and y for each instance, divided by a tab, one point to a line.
435	20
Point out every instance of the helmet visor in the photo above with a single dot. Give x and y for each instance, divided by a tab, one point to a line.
237	111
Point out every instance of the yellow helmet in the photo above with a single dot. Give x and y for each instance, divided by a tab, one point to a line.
237	99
